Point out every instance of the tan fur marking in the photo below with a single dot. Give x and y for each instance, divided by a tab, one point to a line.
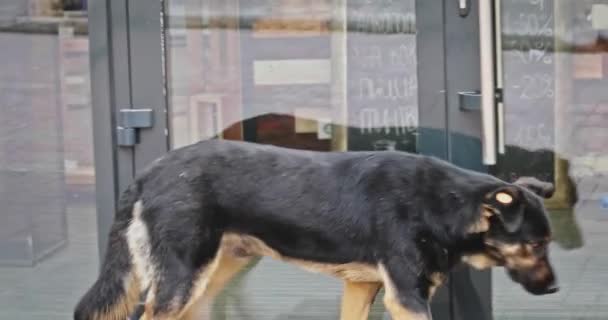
510	249
504	198
519	262
356	272
483	223
518	256
436	281
149	304
357	299
235	252
391	301
201	284
177	311
138	242
228	266
123	308
480	226
480	261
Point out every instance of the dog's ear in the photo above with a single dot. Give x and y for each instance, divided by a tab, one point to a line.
505	203
541	188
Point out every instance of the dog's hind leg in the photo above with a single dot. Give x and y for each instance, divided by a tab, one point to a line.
177	290
357	299
229	264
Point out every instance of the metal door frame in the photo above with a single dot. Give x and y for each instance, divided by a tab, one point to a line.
124	75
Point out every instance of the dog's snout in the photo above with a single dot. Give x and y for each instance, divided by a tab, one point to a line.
552	289
542	290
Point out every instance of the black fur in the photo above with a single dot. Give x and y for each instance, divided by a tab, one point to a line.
410	213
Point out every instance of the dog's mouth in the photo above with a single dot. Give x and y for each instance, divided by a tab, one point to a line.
532	284
537	277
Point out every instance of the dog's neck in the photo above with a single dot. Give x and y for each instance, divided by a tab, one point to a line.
438	254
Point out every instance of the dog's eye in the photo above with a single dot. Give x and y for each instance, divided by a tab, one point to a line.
536	244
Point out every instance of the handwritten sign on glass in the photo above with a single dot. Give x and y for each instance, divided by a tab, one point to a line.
529	88
382	80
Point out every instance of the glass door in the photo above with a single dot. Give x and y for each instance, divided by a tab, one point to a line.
554	78
324	75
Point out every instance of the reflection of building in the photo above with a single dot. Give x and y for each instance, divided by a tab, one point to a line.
46	148
76	107
278	63
54	7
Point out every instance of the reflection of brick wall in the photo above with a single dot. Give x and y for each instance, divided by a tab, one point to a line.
44	7
589	109
32	187
204	61
75	99
586	118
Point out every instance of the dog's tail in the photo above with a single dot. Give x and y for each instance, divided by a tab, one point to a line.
116	291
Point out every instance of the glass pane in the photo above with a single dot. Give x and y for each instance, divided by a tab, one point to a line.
48	229
326	75
555	60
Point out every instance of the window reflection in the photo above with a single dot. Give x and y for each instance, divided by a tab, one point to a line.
293	73
324	75
555	56
48	234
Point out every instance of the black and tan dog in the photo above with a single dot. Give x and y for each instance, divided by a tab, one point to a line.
198	215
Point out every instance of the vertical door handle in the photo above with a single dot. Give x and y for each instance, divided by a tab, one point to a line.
464	7
488	97
500	106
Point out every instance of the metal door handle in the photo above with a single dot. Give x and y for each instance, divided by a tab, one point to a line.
488	98
500	107
464	7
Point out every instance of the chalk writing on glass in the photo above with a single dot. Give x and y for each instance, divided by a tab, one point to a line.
392	88
398	121
382	23
539	3
375	56
532	136
536	86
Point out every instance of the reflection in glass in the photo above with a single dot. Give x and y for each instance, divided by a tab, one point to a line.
48	234
555	56
326	75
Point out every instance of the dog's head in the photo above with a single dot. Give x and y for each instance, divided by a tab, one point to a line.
517	234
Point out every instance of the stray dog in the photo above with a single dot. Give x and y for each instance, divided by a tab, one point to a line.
201	213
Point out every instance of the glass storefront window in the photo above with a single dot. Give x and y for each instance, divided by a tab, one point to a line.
325	75
292	73
555	61
48	234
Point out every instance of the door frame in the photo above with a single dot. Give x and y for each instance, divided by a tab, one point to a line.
127	70
124	75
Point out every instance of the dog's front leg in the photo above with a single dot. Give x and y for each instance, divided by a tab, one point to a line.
357	299
403	298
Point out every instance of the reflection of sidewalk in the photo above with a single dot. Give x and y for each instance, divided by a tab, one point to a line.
80	176
50	290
